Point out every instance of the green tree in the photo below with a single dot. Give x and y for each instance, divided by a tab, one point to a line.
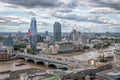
29	50
86	47
19	46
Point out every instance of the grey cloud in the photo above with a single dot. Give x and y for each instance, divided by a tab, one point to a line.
10	21
56	5
65	10
76	17
34	3
115	4
104	11
61	3
42	23
32	13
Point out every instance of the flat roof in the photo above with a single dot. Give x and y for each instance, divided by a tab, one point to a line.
112	74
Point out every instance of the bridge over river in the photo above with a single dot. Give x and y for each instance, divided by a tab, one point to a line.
74	68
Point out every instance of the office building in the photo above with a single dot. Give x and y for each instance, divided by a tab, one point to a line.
84	39
33	35
57	31
74	35
8	41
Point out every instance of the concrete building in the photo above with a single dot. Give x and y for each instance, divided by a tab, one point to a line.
33	35
5	53
117	58
40	38
63	48
57	31
74	35
84	39
80	37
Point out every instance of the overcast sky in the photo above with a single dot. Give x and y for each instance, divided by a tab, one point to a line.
83	15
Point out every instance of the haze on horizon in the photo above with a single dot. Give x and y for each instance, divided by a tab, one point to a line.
94	15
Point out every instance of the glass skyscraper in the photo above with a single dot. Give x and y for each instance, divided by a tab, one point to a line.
57	31
33	35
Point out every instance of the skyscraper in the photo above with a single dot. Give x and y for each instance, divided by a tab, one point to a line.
74	35
33	35
57	31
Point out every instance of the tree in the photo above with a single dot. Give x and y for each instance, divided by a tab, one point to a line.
86	47
19	46
29	50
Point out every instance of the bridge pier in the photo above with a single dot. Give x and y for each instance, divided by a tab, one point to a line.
92	76
46	65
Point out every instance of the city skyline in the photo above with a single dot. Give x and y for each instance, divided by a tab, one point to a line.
94	15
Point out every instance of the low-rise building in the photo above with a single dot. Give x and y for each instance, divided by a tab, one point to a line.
65	47
33	74
113	74
4	56
117	58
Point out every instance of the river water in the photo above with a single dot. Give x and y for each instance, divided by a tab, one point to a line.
10	65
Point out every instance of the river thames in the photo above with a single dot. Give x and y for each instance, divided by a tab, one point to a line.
11	66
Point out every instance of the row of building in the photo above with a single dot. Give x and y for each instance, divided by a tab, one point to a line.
57	37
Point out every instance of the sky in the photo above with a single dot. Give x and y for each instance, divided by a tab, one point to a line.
83	15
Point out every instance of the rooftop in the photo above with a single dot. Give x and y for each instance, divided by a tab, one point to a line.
30	73
113	74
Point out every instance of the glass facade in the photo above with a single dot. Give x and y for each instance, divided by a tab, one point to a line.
33	35
57	31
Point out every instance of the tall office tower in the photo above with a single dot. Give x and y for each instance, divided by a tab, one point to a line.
74	35
79	36
57	31
33	35
8	41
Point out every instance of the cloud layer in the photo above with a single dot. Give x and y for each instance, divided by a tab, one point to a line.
85	13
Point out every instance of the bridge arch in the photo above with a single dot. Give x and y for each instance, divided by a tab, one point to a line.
30	60
53	66
40	63
22	58
64	68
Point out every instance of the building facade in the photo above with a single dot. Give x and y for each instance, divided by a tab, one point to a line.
84	39
33	35
8	41
117	58
63	48
57	31
74	35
